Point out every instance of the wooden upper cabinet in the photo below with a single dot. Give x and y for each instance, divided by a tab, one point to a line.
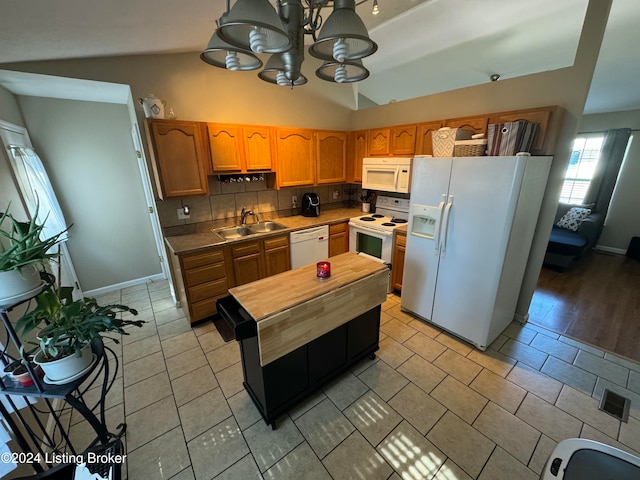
357	149
424	142
257	147
331	157
478	124
295	157
225	142
544	142
179	156
403	140
379	141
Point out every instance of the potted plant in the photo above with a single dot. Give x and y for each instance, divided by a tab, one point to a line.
22	250
68	329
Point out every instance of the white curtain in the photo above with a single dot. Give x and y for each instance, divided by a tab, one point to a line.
40	192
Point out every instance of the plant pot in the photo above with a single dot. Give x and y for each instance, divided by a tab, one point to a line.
66	369
22	375
18	285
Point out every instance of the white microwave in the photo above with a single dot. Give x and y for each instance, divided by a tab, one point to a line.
388	174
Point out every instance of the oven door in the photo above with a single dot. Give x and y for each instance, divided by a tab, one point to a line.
371	242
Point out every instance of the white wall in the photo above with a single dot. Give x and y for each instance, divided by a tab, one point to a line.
88	152
9	112
623	221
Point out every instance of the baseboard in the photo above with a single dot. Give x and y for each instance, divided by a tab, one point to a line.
602	248
518	317
118	286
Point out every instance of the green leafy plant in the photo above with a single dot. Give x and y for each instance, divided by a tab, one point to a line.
70	324
21	245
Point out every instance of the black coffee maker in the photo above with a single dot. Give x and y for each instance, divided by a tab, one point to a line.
310	205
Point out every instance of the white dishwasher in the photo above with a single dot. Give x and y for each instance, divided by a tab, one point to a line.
309	246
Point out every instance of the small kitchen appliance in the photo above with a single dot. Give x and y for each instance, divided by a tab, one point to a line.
387	174
310	205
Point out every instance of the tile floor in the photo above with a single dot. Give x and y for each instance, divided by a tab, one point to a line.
429	406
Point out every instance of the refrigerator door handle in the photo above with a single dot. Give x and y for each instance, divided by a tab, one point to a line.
438	228
447	214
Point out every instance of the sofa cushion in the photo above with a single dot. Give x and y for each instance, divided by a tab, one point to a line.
573	218
565	242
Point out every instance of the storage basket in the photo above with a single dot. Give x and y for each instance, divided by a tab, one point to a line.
470	148
507	139
444	140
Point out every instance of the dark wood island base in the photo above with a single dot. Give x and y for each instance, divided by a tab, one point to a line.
282	383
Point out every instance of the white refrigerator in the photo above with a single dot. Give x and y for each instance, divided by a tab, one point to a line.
471	224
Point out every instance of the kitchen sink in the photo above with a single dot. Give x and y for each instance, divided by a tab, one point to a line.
265	227
232	233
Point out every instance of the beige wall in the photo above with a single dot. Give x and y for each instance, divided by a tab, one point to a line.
88	152
198	91
9	112
623	221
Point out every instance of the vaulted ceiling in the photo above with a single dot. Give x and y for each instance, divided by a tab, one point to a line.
425	46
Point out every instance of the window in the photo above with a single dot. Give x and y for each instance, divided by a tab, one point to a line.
582	165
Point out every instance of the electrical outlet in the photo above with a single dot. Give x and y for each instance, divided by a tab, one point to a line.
294	201
336	194
181	215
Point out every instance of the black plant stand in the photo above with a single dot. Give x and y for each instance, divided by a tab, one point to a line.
30	433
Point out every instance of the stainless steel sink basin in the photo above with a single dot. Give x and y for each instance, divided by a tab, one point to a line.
232	233
265	227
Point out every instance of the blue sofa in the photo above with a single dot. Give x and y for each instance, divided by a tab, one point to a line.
566	246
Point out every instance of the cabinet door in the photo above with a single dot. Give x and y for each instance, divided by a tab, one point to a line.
397	262
357	149
403	140
277	260
379	141
338	238
227	153
295	157
331	157
477	124
257	147
179	156
424	142
248	269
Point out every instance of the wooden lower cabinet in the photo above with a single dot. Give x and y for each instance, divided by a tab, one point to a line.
256	259
338	238
201	279
397	263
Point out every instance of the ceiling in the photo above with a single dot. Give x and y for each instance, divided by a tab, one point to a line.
425	46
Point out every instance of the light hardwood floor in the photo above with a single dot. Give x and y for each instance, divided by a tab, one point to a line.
596	301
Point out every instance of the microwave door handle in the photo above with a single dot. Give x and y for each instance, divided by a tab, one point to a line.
445	233
437	227
395	178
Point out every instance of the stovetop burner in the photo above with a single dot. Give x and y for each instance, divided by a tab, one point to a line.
398	220
367	219
377	215
388	224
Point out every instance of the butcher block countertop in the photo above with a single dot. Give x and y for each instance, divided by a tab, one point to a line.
193	237
295	307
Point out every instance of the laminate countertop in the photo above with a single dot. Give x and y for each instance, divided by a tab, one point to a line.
191	238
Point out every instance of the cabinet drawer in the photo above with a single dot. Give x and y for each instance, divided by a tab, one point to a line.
338	228
196	276
401	240
245	248
203	258
203	309
207	290
276	242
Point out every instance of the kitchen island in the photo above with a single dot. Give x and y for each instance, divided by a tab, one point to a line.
297	331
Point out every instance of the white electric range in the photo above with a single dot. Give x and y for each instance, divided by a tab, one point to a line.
371	234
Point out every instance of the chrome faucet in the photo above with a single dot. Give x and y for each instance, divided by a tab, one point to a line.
245	213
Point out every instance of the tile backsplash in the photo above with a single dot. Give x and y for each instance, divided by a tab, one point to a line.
226	200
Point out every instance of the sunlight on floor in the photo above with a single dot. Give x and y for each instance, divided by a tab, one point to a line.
407	458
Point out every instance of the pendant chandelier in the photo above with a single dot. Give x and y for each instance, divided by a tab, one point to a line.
254	26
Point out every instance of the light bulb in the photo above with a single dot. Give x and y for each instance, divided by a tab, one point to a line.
282	80
340	50
341	74
232	61
257	39
375	10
